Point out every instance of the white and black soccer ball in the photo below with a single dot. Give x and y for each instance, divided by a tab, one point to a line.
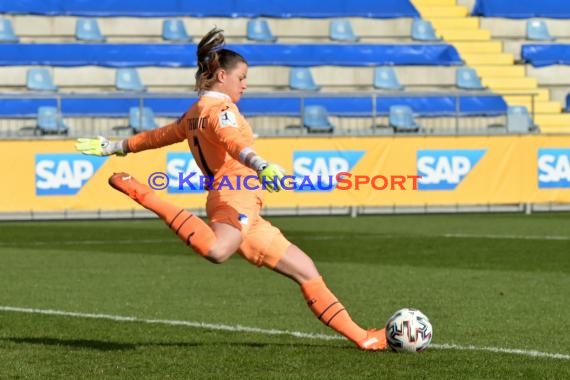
409	330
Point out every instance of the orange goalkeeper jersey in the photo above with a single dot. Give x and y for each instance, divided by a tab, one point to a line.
216	132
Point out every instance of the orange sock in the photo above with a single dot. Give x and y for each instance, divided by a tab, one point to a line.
191	229
330	311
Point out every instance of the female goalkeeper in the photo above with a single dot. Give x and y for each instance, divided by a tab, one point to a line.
221	142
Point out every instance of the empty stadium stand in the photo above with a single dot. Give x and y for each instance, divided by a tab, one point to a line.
225	8
352	113
132	29
183	55
468	34
342	104
486	57
260	78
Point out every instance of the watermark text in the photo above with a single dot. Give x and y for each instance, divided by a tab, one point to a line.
194	181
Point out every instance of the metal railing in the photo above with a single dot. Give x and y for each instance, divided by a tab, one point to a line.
362	123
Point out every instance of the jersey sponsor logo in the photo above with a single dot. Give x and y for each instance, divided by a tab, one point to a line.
228	119
316	170
64	173
183	173
445	169
553	168
243	219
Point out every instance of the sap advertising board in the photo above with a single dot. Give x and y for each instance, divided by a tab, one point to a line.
64	173
553	168
441	169
444	169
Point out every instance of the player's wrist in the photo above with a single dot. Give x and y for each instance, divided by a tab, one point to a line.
114	147
257	163
125	146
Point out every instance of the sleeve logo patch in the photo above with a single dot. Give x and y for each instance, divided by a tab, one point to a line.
228	119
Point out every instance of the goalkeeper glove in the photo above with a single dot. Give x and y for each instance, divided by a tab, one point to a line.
270	176
100	146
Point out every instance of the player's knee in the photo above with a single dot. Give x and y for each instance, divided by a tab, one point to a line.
218	256
227	242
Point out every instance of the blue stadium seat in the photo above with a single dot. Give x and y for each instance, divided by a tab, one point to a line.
258	30
537	30
175	31
316	119
466	78
128	79
141	121
519	120
87	29
40	80
422	30
7	31
301	78
385	78
49	121
341	30
402	119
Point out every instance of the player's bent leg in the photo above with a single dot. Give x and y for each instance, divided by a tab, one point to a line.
323	303
191	229
297	265
228	240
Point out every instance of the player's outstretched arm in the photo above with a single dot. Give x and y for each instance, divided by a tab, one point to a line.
101	146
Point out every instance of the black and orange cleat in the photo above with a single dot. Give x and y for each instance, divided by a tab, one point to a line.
375	341
128	185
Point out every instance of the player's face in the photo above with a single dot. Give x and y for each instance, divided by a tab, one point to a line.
235	81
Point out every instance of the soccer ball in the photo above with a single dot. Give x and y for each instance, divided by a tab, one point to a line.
408	330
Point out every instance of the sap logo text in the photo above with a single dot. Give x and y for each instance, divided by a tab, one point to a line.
316	170
553	168
443	169
184	175
64	174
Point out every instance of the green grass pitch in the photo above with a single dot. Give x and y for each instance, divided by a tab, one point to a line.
495	286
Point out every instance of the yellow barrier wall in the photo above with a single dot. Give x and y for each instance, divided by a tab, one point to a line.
50	176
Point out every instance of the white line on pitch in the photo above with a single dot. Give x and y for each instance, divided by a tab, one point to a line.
239	328
203	325
516	351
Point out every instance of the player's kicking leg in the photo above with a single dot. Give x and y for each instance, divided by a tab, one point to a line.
191	229
323	303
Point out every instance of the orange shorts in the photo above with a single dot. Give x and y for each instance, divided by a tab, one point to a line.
263	244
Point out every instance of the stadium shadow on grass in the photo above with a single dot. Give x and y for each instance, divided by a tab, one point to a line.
100	345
